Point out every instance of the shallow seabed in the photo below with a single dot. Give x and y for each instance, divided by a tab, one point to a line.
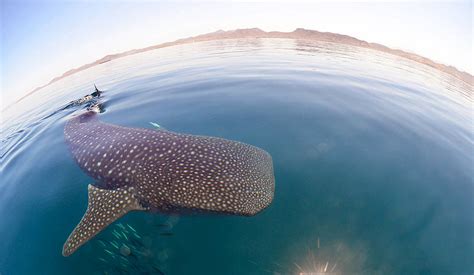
373	158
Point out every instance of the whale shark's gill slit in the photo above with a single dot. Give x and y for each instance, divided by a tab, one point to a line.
104	207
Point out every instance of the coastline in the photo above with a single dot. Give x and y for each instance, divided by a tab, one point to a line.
299	33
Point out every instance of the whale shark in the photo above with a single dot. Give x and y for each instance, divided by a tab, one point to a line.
156	170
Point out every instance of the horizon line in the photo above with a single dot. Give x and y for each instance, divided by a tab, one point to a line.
298	33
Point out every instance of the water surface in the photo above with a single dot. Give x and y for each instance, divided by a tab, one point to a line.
373	158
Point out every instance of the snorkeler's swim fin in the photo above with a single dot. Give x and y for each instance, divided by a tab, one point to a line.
104	207
97	92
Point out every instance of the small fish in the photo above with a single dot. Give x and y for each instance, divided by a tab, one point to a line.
159	272
123	258
155	125
136	235
167	225
277	264
102	243
133	256
137	242
125	236
299	267
103	260
114	244
141	253
133	229
121	225
109	252
116	234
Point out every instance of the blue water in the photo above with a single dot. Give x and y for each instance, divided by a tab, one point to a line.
373	158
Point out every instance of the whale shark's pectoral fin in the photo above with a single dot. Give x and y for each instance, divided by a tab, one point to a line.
104	207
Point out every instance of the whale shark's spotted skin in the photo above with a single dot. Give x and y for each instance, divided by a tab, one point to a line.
158	170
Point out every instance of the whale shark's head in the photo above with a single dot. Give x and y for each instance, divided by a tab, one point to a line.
259	182
219	175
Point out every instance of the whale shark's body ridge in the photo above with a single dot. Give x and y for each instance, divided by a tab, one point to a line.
164	171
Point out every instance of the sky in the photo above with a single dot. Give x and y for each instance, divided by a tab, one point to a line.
42	39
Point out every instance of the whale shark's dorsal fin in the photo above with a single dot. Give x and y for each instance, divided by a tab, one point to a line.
104	207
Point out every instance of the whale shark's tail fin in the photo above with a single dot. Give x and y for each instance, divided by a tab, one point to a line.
104	207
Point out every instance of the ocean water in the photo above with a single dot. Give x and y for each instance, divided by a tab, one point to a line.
373	159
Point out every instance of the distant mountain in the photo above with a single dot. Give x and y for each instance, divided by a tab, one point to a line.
258	33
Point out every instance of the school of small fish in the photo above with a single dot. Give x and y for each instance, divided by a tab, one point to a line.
126	251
